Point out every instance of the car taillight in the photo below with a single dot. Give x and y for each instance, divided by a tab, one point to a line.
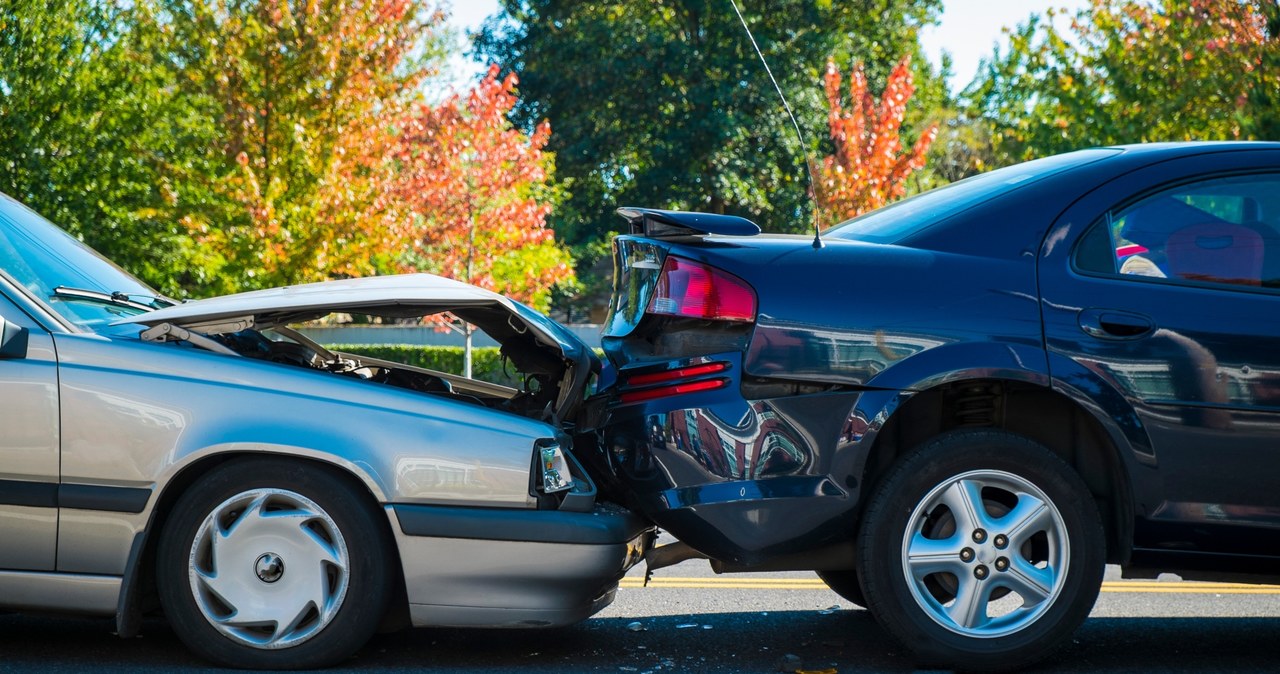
695	290
674	382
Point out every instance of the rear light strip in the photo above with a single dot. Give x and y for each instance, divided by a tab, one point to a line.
674	389
669	377
678	373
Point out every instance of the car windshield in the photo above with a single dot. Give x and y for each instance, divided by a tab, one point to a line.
71	278
897	221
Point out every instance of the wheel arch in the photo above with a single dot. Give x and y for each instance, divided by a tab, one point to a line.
138	593
1024	407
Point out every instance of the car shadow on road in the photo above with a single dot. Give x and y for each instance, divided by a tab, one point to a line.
847	640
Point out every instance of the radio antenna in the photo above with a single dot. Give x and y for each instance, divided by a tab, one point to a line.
804	147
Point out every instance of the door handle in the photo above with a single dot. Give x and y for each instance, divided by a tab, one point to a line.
1113	324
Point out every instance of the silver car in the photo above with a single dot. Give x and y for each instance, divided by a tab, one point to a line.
279	501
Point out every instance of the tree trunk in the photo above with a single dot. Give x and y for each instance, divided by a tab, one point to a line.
467	329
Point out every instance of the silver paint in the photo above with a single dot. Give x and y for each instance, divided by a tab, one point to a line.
29	450
35	530
134	414
82	594
470	582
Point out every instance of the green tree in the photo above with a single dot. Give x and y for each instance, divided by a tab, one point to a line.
304	96
90	129
1135	71
665	104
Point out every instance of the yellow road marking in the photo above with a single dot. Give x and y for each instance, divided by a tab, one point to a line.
1119	586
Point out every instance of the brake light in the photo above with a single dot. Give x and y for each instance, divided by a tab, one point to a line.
678	373
695	290
674	384
674	389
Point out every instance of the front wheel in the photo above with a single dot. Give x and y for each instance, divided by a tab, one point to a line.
274	564
981	550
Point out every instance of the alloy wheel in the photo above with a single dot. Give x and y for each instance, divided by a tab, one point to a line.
985	553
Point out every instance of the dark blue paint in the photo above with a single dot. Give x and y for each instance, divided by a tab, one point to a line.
987	292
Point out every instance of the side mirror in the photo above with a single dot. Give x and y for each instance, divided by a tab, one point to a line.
13	340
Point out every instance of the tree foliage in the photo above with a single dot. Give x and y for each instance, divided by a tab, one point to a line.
869	168
1134	71
222	145
475	194
91	132
665	104
304	96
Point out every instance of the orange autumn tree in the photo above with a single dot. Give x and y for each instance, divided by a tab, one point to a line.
476	193
302	96
869	168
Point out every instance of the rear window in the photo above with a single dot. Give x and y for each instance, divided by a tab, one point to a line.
904	218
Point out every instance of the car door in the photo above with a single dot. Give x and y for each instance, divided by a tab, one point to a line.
29	443
1164	286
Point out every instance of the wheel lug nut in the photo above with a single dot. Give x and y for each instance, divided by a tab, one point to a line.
1002	564
979	535
980	572
966	555
1001	541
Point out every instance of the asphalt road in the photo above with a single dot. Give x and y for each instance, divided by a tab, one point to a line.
690	620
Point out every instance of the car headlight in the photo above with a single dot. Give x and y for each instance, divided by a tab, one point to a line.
555	469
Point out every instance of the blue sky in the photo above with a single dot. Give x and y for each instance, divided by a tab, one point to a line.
969	31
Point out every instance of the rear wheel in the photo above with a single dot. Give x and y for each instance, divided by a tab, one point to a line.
981	550
274	564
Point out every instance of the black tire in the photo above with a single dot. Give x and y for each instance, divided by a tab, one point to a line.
928	608
844	583
331	533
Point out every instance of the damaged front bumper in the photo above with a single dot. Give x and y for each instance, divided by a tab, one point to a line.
498	567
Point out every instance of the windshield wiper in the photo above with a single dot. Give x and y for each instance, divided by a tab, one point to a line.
117	298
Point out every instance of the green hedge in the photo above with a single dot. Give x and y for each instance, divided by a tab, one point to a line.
486	362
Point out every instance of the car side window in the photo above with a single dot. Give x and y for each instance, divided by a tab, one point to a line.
1224	231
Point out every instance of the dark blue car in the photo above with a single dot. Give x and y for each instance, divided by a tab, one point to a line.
958	408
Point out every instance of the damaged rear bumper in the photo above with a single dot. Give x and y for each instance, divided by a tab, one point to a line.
741	479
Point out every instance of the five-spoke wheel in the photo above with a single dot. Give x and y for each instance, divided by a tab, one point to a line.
981	549
985	553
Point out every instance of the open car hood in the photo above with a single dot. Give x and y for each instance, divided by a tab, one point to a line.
401	296
533	343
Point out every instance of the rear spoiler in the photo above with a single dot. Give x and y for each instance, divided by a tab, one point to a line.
657	224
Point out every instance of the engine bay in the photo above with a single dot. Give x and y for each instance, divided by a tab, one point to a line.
535	397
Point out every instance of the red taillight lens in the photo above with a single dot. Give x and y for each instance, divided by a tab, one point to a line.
696	290
675	389
673	380
688	372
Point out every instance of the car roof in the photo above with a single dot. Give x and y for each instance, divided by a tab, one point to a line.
1168	150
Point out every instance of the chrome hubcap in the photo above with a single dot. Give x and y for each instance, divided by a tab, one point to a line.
985	553
238	572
